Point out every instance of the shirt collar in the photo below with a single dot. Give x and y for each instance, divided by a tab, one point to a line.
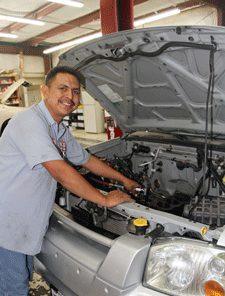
47	114
51	121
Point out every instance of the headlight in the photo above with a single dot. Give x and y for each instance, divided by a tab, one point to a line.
186	267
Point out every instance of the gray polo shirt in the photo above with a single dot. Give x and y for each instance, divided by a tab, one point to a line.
27	190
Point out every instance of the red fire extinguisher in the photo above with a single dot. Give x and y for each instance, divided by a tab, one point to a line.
113	131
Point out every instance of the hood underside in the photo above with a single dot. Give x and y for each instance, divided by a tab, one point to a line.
169	78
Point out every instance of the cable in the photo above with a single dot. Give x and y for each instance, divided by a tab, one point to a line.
209	95
88	60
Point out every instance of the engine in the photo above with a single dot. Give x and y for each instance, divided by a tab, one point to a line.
171	179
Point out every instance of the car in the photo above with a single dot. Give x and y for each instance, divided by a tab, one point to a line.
7	111
165	87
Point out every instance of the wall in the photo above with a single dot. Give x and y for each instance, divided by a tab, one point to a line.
28	67
32	67
9	62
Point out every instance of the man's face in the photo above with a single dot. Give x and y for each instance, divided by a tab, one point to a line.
62	96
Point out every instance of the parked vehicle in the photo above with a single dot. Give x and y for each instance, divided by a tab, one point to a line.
7	111
166	89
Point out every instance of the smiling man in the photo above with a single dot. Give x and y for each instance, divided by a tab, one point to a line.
33	149
61	94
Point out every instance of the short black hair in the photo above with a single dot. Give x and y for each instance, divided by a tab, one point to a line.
59	69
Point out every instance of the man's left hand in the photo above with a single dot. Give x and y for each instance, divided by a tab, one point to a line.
131	185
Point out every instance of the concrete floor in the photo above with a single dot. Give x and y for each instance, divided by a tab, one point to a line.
89	139
38	287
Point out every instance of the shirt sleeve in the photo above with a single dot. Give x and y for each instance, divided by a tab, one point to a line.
75	152
31	135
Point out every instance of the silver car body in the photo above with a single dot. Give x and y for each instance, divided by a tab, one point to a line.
160	84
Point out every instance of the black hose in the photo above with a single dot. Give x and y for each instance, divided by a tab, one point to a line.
88	60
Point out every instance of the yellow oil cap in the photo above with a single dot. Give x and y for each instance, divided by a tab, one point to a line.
140	222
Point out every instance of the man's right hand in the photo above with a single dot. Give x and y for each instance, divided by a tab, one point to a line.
117	197
77	184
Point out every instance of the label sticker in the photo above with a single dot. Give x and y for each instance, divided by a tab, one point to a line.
110	94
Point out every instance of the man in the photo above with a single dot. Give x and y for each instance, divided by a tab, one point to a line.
31	166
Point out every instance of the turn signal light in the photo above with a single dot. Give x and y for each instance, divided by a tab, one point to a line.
213	288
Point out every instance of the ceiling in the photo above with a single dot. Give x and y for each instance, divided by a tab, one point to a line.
65	23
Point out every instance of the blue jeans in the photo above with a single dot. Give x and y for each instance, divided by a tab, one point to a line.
16	269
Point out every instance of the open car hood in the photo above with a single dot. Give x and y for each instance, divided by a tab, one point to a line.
165	78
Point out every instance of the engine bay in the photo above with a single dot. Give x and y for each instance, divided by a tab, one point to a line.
171	181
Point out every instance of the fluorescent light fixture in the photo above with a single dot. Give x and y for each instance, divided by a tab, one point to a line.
68	2
73	42
6	35
21	20
156	17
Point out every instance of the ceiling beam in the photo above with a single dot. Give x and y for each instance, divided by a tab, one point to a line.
36	14
182	6
17	48
189	4
50	7
215	3
64	28
70	25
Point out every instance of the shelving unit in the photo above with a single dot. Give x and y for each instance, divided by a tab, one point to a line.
7	79
76	119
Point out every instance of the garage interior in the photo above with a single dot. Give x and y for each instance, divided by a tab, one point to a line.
30	50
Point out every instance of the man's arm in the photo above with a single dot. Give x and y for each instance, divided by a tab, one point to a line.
100	168
74	182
